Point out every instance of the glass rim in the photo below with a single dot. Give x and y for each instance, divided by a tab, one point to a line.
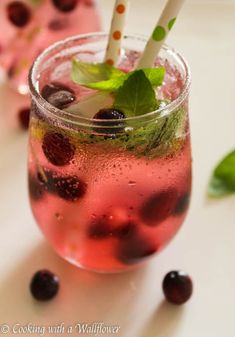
66	115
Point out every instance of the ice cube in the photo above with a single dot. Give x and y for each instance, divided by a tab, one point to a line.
91	104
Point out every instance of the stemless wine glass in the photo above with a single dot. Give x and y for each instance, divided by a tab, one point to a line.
30	26
107	195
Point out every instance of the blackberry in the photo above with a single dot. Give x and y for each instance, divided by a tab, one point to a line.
57	149
177	287
44	285
158	207
65	5
58	95
18	13
113	121
36	190
135	249
182	204
69	188
24	116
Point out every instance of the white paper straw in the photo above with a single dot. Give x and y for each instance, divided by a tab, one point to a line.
116	31
159	35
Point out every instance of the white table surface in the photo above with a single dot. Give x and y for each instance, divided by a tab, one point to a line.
205	245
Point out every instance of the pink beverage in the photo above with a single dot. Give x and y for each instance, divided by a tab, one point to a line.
30	26
107	193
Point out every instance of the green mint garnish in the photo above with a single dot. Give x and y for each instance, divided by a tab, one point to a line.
90	73
155	75
222	182
111	85
104	77
157	138
136	96
133	93
167	129
162	137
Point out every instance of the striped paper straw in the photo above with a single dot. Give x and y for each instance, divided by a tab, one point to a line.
116	31
159	35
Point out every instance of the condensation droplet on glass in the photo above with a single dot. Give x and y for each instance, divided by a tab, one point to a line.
132	183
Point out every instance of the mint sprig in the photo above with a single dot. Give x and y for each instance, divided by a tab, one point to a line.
136	96
159	138
90	73
154	75
101	76
222	182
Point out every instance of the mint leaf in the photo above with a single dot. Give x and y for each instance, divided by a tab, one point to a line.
218	189
111	85
85	73
155	75
101	76
136	96
222	181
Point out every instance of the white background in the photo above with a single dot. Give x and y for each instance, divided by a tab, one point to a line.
204	247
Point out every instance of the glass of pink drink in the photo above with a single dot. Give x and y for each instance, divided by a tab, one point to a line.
107	194
30	26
